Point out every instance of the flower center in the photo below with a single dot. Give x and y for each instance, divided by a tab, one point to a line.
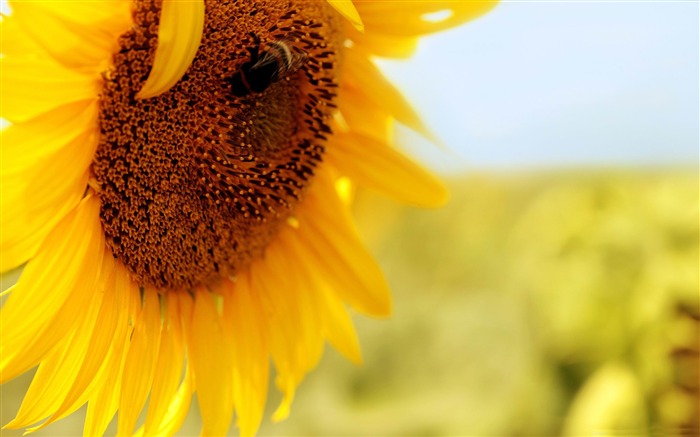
194	183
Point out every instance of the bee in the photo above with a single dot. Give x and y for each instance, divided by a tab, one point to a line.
280	60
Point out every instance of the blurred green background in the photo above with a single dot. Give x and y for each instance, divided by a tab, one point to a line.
534	304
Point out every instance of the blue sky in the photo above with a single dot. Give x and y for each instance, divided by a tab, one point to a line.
549	84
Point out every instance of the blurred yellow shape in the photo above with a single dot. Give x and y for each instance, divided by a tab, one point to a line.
611	403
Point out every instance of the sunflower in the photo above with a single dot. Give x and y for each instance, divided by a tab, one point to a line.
175	181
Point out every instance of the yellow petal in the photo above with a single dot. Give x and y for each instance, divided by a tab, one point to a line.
179	34
57	373
243	321
304	302
361	76
359	114
377	165
15	41
338	327
168	375
24	231
300	298
40	399
347	9
180	311
53	291
27	143
113	313
34	85
327	239
140	364
413	18
377	44
211	363
294	332
79	35
177	410
334	320
103	403
43	175
35	406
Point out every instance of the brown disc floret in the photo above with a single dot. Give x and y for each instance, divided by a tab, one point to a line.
194	183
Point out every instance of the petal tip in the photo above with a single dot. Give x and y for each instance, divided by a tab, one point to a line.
347	9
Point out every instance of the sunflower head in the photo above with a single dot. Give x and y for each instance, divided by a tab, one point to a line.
171	180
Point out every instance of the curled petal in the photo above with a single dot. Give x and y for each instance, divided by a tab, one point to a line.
179	35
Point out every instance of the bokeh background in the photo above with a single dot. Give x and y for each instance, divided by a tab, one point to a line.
557	294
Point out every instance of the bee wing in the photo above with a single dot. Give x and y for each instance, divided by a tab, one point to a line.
288	59
299	58
266	59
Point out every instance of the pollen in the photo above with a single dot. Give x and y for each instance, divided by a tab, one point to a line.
195	183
